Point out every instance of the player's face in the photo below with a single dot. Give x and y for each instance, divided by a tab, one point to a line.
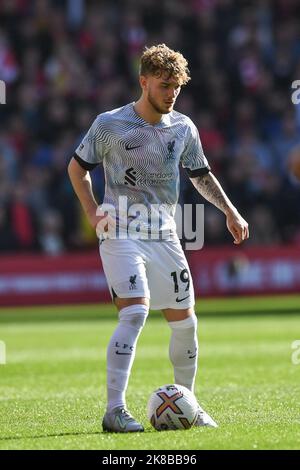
161	93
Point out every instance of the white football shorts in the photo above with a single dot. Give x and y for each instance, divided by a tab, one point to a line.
157	270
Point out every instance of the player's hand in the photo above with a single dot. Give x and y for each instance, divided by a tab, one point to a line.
103	224
94	220
237	226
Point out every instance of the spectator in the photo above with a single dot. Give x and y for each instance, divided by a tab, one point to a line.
50	236
66	62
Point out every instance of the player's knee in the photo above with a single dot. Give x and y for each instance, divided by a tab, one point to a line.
134	316
189	323
173	315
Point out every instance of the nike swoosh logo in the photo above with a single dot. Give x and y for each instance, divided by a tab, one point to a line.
192	357
123	354
128	147
180	300
120	422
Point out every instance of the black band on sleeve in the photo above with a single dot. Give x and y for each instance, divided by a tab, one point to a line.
199	172
85	165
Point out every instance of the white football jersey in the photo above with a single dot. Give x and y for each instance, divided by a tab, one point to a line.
141	166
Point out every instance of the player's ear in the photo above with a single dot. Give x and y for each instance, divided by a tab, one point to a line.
143	82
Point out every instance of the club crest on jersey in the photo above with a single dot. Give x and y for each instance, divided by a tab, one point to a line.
132	281
171	149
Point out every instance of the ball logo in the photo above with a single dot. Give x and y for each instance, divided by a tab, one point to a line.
168	401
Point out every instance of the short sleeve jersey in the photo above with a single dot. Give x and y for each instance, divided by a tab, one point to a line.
141	164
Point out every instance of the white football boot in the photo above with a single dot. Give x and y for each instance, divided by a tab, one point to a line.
203	419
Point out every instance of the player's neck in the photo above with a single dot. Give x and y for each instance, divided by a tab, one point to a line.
146	111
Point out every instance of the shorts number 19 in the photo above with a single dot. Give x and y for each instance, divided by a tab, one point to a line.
184	277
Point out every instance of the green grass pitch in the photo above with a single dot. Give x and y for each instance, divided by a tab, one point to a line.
52	389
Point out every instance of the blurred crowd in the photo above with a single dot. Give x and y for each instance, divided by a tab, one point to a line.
64	62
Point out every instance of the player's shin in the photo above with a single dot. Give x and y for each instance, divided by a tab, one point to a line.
183	351
121	353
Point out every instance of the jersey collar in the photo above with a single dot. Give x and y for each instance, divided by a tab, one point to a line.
164	122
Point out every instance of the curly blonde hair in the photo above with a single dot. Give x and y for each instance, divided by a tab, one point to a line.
160	59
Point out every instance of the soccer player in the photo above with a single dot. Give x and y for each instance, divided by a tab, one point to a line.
141	146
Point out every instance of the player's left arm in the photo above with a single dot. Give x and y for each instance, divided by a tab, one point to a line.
210	188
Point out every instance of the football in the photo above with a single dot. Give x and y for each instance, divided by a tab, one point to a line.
172	407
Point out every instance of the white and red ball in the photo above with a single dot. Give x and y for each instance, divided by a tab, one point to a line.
172	407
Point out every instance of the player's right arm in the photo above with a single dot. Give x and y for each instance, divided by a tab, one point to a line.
82	185
88	155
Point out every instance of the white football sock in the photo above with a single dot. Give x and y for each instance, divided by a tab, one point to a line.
121	352
183	351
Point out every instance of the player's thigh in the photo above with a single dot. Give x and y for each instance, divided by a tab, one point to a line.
169	277
172	314
125	271
122	303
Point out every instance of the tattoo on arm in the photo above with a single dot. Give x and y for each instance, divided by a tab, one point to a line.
209	187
